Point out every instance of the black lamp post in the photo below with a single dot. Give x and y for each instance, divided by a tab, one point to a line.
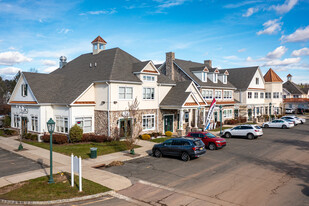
270	111
51	128
220	119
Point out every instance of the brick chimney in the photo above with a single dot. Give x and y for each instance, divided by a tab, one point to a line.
208	62
170	70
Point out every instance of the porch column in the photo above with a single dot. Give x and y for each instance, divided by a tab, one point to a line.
181	119
195	118
204	116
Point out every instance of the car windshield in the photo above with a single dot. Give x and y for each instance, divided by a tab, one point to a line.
210	135
198	143
257	127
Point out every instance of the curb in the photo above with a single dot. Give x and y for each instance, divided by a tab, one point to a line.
13	202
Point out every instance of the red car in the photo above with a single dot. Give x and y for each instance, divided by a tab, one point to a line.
210	140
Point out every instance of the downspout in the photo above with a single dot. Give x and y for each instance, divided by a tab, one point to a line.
108	109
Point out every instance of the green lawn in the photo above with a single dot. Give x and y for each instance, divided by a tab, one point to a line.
160	140
218	129
39	190
83	149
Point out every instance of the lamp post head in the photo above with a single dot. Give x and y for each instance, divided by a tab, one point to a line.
51	125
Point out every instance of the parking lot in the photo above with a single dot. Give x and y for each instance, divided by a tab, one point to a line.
270	170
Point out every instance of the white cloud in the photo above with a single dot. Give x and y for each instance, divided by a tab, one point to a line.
242	50
110	11
231	57
298	36
240	4
286	7
277	53
10	58
170	3
8	71
284	62
250	11
50	69
301	52
64	31
271	27
48	62
249	59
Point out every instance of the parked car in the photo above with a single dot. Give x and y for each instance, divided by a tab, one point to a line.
279	123
302	120
210	140
185	148
249	131
296	121
289	111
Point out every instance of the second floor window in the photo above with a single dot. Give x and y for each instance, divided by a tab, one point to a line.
257	80
125	92
227	94
204	77
148	78
24	90
218	94
148	93
207	94
267	95
276	95
262	95
249	95
256	95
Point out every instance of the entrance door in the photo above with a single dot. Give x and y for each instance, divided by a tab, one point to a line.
125	127
249	114
24	128
168	123
216	116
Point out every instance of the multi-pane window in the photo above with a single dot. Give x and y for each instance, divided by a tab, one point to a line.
295	96
16	120
148	93
149	122
62	124
256	95
257	80
262	95
204	77
227	113
224	79
215	78
24	90
276	95
125	92
148	78
85	123
267	95
34	123
218	94
249	95
227	94
207	93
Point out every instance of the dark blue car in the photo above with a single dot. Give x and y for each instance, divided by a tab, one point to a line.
180	147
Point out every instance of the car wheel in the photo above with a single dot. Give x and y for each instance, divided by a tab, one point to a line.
212	146
157	153
301	122
266	125
250	136
185	157
284	127
227	135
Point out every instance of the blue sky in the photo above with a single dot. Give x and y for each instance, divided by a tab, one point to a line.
271	34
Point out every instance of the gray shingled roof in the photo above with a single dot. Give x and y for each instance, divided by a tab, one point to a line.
188	65
66	84
305	90
177	95
137	67
292	88
241	77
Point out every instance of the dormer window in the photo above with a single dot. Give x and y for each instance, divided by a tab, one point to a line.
24	90
224	79
148	78
215	78
204	76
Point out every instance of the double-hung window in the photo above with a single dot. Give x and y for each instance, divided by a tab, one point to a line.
204	77
276	95
218	94
256	95
149	122
257	81
34	123
16	120
62	124
224	79
207	93
227	113
125	92
215	78
85	123
262	95
148	93
227	94
249	95
267	95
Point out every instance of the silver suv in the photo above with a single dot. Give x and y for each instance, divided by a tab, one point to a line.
249	131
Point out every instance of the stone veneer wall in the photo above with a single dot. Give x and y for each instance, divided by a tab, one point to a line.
101	123
164	112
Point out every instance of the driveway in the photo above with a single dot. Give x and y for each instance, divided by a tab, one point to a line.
12	164
271	170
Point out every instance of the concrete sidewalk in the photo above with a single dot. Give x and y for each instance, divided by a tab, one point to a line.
62	163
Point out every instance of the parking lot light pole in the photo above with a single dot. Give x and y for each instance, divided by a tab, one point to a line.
220	119
51	128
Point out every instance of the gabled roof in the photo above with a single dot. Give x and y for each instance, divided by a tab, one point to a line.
305	90
292	88
271	76
66	84
99	39
241	77
137	67
177	95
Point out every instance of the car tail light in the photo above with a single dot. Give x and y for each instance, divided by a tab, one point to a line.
256	130
194	148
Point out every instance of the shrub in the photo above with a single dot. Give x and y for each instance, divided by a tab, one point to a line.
27	136
76	133
168	133
34	137
7	121
95	138
57	138
9	132
145	137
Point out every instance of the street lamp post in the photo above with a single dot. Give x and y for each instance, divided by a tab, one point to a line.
220	119
51	128
270	111
21	110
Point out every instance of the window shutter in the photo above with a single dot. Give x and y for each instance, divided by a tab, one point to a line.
26	89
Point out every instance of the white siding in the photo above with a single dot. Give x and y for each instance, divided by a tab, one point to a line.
16	96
